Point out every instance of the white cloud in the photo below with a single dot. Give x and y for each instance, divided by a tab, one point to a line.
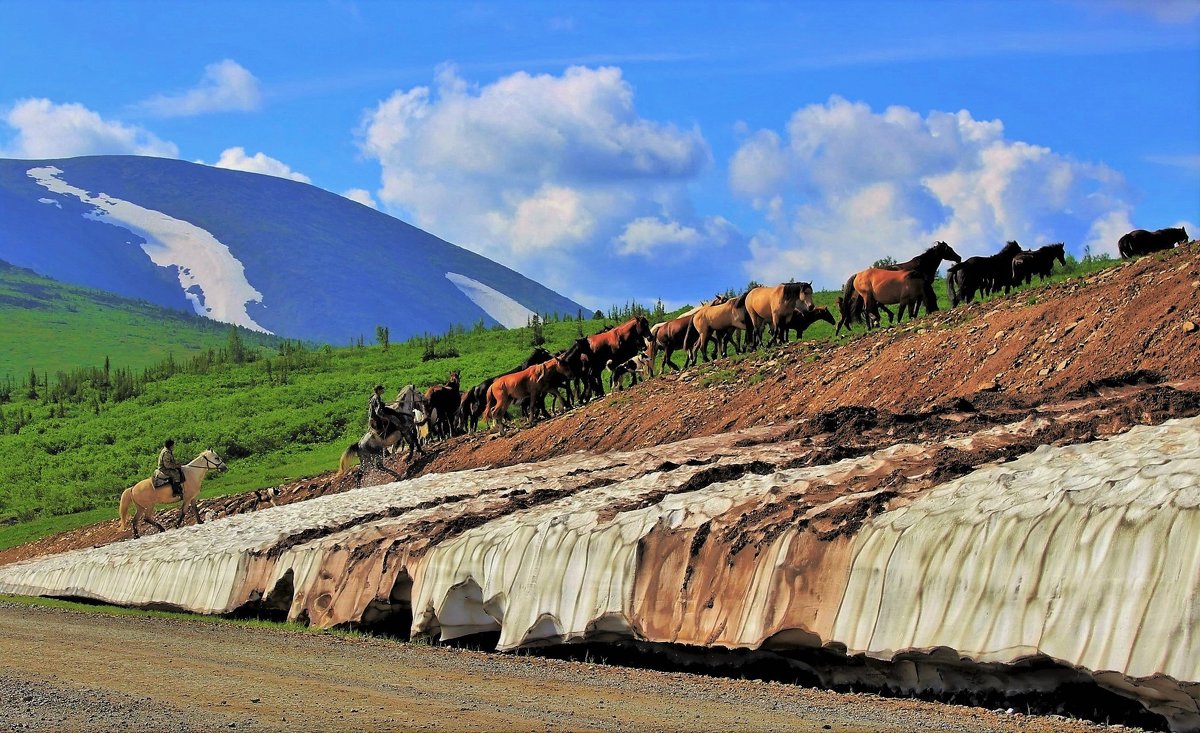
1190	163
1172	12
236	159
530	168
362	196
226	86
845	186
647	234
48	130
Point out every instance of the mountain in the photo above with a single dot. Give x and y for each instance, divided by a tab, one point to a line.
48	326
258	251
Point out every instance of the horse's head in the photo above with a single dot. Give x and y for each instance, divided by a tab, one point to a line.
212	460
642	327
1179	235
821	313
946	252
1060	253
1011	248
453	378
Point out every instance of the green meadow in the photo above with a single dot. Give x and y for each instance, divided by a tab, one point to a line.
73	434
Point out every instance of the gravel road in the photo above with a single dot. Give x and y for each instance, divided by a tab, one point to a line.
82	671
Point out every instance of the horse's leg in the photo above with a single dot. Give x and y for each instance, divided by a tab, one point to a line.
196	512
137	514
150	518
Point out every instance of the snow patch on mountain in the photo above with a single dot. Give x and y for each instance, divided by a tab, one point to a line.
212	279
508	312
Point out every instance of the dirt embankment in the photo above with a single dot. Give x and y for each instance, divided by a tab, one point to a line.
1134	323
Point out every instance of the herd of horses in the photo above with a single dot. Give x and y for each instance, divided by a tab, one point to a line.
764	315
575	374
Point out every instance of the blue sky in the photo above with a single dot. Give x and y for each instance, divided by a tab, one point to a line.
649	149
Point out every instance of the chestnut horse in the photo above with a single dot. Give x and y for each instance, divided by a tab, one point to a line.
716	319
509	388
771	305
876	285
616	345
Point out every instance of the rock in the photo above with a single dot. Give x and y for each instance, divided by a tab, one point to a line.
1189	326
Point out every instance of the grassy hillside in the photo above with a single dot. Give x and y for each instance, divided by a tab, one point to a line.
48	326
277	413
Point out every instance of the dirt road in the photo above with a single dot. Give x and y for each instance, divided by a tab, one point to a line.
68	671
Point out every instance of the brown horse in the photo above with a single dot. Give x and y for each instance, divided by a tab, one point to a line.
670	337
145	496
716	320
442	402
876	286
505	390
617	345
771	305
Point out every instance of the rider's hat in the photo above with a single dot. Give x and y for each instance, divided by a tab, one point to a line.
169	442
378	387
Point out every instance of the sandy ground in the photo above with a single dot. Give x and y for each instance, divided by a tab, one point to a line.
83	671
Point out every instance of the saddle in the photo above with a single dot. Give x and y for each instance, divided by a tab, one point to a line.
159	480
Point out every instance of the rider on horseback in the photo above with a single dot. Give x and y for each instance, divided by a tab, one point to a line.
169	469
381	418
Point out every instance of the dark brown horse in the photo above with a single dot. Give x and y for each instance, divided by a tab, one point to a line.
1039	262
1142	242
617	345
798	321
442	401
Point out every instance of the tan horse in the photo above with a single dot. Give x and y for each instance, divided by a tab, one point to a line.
146	497
775	305
877	286
718	320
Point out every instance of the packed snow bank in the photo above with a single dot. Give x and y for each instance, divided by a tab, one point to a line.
1087	556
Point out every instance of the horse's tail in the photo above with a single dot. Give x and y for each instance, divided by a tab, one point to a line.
951	276
344	464
126	500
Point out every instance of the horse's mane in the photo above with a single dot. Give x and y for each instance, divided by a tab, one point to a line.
794	290
740	301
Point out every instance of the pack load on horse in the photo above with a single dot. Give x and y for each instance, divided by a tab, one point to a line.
148	494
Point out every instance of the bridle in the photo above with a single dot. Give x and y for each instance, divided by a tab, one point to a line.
208	462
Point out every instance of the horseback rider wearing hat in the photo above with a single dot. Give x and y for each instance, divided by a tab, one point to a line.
381	418
169	469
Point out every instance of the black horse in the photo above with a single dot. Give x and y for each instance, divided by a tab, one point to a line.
1142	242
1039	262
983	274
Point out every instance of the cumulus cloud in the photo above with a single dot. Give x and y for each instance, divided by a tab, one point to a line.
844	185
237	160
225	87
649	234
530	168
43	129
362	196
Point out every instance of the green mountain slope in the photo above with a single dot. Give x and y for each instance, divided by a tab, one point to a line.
48	326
